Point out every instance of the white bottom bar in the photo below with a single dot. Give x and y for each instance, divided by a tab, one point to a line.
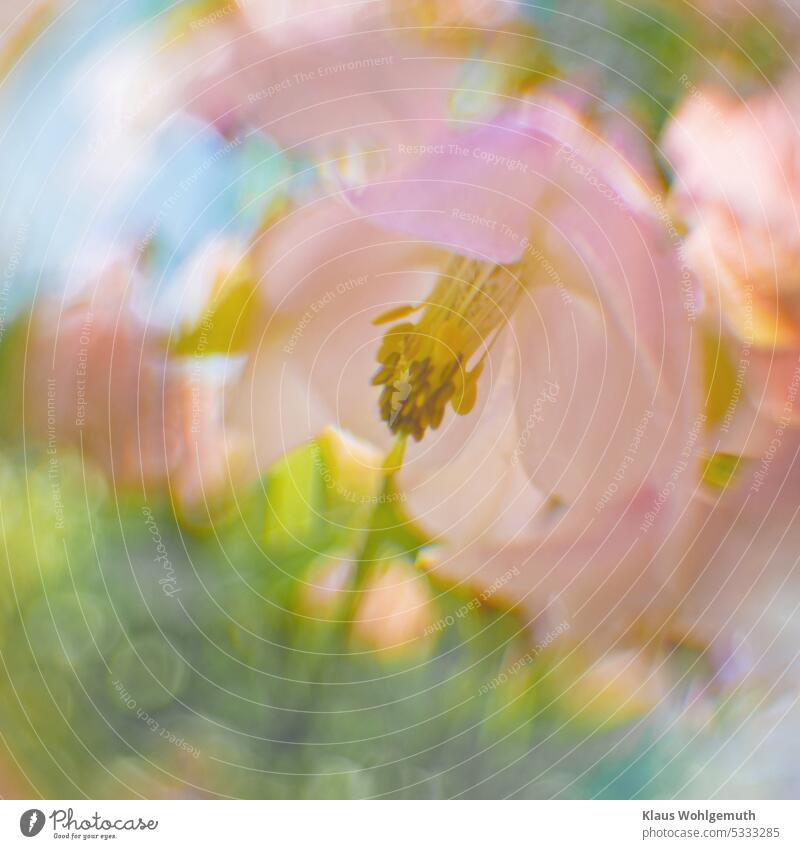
410	825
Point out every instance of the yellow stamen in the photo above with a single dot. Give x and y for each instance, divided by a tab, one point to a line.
438	360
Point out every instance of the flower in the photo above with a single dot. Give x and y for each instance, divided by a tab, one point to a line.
100	378
741	575
321	272
394	609
737	187
521	297
354	80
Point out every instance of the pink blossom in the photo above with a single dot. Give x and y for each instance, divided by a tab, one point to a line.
349	82
100	379
567	444
737	186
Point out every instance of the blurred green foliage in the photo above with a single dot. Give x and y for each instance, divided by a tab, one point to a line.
113	687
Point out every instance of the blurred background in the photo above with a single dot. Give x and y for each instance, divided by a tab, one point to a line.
286	641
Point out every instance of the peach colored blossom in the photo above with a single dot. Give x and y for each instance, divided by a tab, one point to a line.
100	379
394	609
737	186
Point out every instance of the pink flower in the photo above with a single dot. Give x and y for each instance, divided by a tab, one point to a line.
298	19
740	575
337	79
100	378
323	273
737	186
536	355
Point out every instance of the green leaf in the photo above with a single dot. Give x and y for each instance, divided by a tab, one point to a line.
295	502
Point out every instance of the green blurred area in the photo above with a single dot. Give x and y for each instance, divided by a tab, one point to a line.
111	687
